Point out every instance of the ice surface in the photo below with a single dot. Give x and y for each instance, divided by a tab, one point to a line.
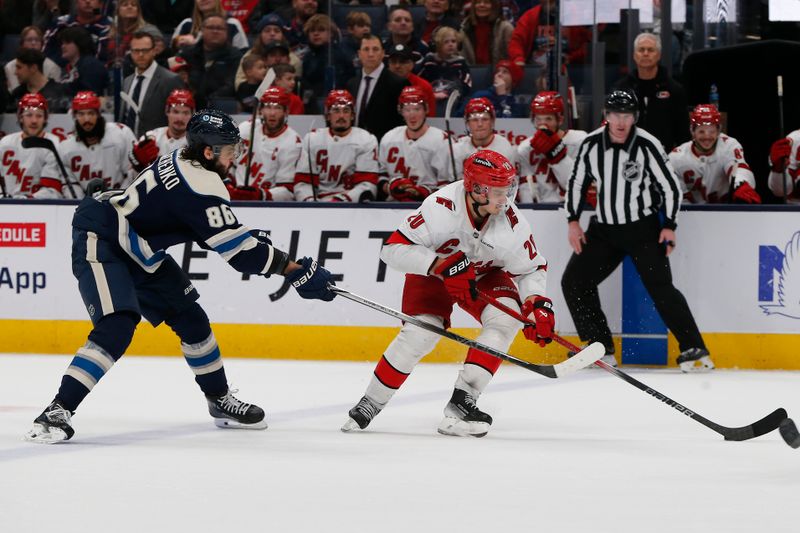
586	453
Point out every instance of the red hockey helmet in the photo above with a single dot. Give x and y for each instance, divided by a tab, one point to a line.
276	95
412	95
704	115
479	105
339	97
547	103
86	100
486	170
32	101
180	97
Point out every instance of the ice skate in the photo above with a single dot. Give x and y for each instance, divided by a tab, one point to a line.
361	415
695	360
462	418
230	412
52	426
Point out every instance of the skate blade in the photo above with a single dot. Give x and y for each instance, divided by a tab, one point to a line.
350	425
702	365
41	435
227	423
455	427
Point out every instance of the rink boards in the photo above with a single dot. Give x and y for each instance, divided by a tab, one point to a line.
739	270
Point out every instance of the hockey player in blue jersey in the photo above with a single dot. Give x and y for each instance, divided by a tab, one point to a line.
124	273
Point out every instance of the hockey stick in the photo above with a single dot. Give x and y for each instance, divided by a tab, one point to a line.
3	187
781	132
772	421
447	111
584	357
47	144
314	184
130	103
266	83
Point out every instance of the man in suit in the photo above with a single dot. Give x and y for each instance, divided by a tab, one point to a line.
149	86
376	90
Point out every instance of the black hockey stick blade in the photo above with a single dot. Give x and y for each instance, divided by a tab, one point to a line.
769	423
582	359
38	142
789	433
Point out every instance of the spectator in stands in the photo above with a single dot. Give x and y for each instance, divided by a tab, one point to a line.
45	12
178	65
255	69
190	30
149	86
663	108
401	62
376	90
533	38
285	78
401	31
319	74
83	71
212	62
485	34
31	37
129	20
445	68
88	15
167	14
29	66
358	25
507	76
436	15
244	11
298	15
269	30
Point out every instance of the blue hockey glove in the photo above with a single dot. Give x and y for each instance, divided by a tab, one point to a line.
311	281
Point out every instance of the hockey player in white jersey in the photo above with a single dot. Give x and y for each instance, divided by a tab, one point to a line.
30	172
479	117
468	235
96	149
343	159
414	159
179	107
784	162
276	148
547	157
711	167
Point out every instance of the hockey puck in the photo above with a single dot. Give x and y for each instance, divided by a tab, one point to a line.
789	433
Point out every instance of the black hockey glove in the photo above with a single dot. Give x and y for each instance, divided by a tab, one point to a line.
311	281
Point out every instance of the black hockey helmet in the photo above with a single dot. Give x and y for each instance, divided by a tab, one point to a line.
210	127
622	102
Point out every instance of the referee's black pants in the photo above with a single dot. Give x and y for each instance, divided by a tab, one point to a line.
605	248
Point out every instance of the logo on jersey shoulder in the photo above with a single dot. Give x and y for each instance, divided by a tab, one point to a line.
631	171
779	278
447	202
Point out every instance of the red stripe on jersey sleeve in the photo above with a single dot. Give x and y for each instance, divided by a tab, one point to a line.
51	183
303	177
398	238
359	177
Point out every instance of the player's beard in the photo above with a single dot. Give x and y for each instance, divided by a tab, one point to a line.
96	132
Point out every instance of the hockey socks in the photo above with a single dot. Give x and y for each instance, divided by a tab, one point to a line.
200	349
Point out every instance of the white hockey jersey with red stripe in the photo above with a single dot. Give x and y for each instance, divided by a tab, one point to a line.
344	167
425	160
465	148
107	159
541	182
166	144
29	172
274	160
443	226
708	178
791	177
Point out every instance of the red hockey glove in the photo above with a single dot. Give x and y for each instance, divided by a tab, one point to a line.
745	194
549	144
405	190
779	154
244	193
144	152
540	310
458	275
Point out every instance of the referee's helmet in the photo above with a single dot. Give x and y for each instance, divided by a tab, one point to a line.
622	102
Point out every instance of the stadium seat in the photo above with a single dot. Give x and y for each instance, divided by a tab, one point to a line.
418	16
529	77
226	105
481	77
10	45
376	13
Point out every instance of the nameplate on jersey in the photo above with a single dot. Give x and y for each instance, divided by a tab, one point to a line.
167	172
631	170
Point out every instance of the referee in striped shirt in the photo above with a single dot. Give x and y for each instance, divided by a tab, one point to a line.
634	181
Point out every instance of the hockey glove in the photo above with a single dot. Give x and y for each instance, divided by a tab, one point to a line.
338	197
405	190
458	275
311	281
745	194
244	193
549	144
144	152
540	310
779	154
